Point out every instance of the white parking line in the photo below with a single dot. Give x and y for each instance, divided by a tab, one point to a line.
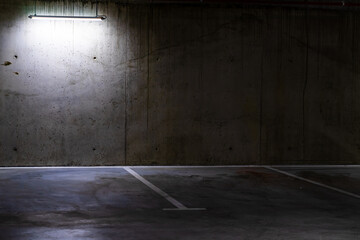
173	201
184	209
313	182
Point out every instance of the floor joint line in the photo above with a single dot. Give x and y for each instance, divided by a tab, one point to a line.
185	166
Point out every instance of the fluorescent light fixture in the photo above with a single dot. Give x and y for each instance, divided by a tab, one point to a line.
72	18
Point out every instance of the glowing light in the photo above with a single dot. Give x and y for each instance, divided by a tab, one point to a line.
72	18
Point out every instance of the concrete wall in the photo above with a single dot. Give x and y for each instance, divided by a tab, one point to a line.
171	84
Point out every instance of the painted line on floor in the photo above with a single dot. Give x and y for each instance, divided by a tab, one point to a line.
173	201
313	182
184	209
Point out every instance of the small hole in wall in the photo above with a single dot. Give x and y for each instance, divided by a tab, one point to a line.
94	149
94	58
15	56
15	149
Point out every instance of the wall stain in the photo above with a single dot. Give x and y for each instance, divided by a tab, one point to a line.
6	63
16	94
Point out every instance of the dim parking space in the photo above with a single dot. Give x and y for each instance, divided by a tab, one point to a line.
218	203
72	189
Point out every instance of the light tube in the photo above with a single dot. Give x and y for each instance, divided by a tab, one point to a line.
76	18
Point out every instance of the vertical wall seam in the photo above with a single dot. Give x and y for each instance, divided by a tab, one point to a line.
125	89
353	53
354	71
148	67
201	86
125	123
261	102
305	83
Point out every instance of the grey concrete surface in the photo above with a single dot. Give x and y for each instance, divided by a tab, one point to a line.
109	203
172	84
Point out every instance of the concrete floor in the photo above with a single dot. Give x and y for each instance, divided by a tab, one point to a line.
240	202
